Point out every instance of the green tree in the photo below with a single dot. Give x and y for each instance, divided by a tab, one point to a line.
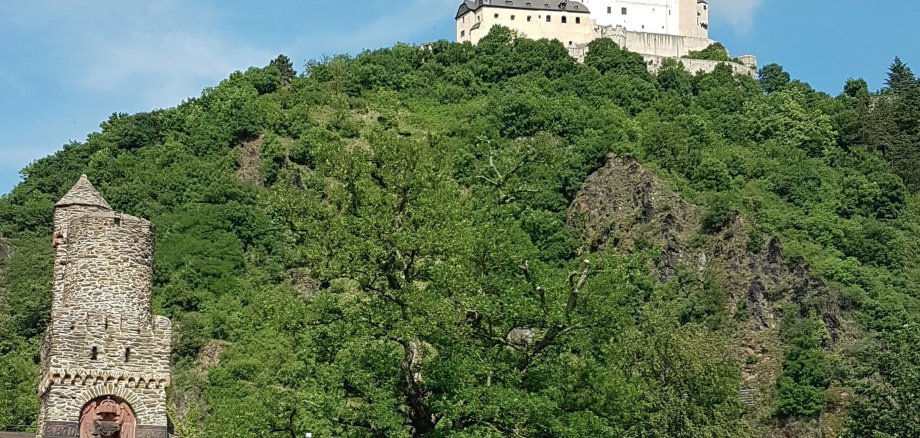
887	406
806	370
713	52
606	56
773	78
285	67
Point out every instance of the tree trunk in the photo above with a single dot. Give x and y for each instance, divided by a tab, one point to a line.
423	421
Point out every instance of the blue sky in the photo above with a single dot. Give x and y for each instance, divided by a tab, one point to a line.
66	65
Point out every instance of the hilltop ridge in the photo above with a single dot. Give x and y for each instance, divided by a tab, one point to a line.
497	240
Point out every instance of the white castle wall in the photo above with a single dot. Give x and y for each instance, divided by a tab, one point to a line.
657	44
659	16
571	28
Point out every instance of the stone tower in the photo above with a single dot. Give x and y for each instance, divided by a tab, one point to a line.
105	358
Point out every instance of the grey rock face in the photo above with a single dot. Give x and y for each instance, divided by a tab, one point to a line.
622	205
4	252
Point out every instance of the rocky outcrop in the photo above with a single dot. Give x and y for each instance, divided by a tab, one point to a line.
625	207
4	252
765	281
250	162
4	256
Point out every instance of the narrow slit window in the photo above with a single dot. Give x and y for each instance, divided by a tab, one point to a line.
127	354
94	354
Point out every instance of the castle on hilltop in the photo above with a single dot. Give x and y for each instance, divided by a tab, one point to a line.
656	29
105	357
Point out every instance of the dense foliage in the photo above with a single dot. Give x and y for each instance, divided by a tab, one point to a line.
715	52
378	247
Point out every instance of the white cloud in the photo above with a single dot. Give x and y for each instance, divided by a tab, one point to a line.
159	51
738	13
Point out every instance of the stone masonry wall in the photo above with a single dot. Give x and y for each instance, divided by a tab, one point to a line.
700	65
62	218
109	265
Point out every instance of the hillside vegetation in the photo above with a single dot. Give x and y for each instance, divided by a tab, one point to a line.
497	241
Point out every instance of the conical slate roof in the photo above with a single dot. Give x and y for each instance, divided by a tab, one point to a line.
83	193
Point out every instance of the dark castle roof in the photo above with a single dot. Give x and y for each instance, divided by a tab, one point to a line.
534	5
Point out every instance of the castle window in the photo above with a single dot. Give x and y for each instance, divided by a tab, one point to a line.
496	15
577	20
462	33
529	18
564	19
127	354
513	17
609	9
94	354
549	19
623	11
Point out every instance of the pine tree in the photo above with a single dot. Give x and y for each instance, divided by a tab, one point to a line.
773	78
900	76
285	67
904	149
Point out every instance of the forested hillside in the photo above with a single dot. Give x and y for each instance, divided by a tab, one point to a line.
497	241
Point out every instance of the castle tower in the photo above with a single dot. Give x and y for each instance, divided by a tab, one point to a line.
105	358
694	18
702	14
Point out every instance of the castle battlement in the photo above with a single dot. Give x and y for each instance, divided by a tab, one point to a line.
103	344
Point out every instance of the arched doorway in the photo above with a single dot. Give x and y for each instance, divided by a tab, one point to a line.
107	417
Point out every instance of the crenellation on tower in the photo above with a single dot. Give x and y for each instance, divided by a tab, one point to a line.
103	347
